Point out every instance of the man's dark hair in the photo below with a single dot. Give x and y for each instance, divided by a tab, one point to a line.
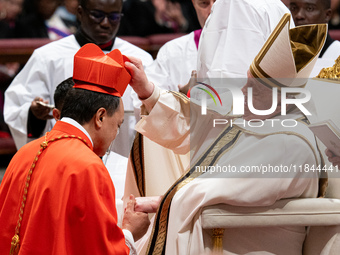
61	92
81	105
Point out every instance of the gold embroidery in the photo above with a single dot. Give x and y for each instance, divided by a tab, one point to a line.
180	95
137	157
225	141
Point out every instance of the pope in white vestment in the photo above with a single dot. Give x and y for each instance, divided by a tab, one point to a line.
177	58
177	227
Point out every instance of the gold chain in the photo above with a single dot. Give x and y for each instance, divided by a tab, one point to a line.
15	244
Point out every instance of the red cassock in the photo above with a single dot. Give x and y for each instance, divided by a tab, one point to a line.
70	206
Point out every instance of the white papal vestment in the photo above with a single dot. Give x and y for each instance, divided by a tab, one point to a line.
168	123
239	40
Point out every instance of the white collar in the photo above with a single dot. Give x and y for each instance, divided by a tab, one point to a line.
77	125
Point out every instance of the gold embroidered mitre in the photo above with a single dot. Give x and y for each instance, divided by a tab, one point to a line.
289	55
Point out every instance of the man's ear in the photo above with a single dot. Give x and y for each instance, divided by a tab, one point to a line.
79	12
56	114
100	117
328	15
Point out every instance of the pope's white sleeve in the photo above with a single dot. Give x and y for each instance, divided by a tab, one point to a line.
129	241
166	120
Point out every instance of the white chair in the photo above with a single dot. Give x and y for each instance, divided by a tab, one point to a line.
322	215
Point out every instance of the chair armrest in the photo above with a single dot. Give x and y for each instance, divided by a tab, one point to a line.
286	212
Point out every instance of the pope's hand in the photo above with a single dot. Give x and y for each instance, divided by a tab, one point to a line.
136	222
139	81
335	160
147	204
192	82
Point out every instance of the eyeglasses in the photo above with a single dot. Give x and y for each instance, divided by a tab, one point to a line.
99	16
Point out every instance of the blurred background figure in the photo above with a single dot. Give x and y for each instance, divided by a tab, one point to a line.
335	19
67	12
9	12
142	18
39	20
